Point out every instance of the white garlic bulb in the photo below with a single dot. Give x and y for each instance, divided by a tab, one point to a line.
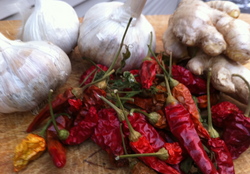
54	21
28	71
103	27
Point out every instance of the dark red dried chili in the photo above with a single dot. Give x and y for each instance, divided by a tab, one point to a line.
107	135
183	95
89	75
84	129
140	124
237	134
90	97
195	84
221	111
182	127
54	146
147	72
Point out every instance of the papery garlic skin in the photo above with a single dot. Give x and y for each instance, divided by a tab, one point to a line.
28	71
54	21
101	33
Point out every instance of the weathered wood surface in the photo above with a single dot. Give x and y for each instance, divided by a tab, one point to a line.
85	158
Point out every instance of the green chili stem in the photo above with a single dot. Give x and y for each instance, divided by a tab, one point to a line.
247	111
121	45
118	111
51	112
42	132
140	111
123	141
213	133
170	64
134	135
159	63
150	44
106	75
161	154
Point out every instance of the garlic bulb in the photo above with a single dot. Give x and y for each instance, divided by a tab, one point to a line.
54	21
28	71
103	27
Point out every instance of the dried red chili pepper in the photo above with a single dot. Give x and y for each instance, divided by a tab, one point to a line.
140	124
237	134
54	146
156	119
90	97
84	129
182	127
175	153
223	158
195	84
221	111
59	103
107	135
140	144
183	95
89	75
147	72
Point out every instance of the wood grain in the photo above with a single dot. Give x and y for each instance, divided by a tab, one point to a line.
85	158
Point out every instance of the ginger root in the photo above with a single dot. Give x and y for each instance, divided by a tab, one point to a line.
208	26
221	77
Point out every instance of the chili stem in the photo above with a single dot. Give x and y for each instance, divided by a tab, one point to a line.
42	132
118	111
51	112
123	142
121	45
170	64
134	135
247	111
161	154
106	75
213	133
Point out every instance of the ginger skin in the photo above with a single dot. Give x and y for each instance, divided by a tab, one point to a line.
195	23
222	70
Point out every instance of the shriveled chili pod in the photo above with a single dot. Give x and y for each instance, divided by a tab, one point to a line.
183	128
221	111
218	147
29	149
92	73
107	135
183	95
147	72
140	144
195	84
54	146
84	129
236	133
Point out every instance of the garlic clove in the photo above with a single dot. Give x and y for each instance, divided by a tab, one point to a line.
54	21
102	29
28	71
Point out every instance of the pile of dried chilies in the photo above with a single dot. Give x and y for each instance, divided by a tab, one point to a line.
147	118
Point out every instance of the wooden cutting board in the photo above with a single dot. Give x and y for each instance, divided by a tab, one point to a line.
86	158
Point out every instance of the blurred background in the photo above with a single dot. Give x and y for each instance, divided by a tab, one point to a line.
9	9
